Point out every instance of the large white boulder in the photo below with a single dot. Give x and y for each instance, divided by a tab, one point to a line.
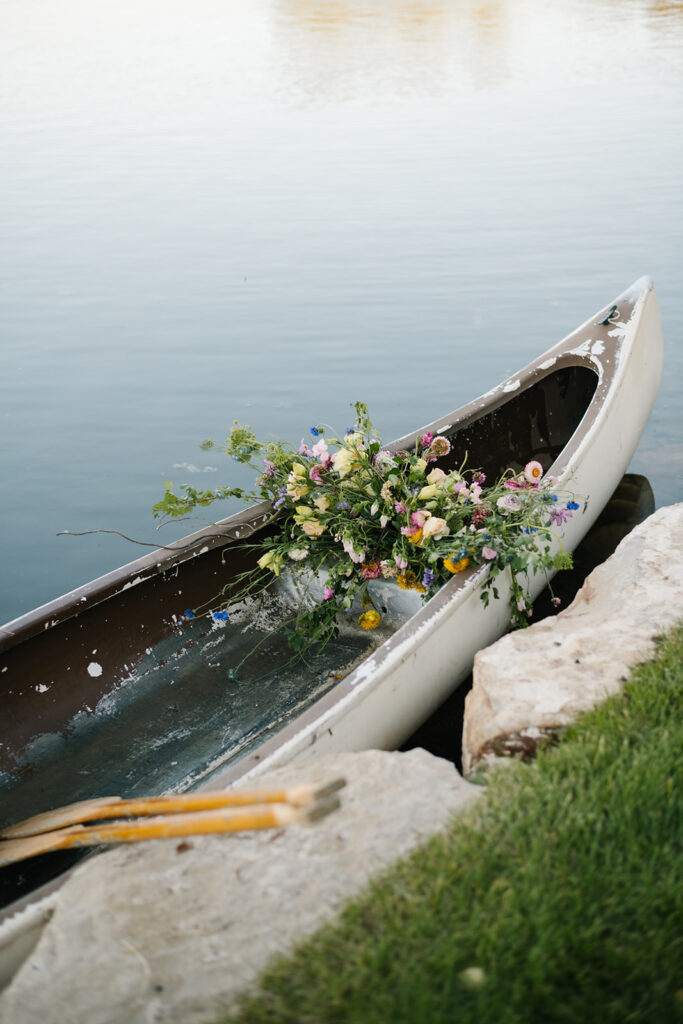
171	931
533	682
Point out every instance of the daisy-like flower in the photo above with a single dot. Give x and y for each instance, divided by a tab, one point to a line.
533	471
455	566
439	447
416	536
369	619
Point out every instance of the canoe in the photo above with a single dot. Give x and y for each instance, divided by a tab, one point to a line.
112	689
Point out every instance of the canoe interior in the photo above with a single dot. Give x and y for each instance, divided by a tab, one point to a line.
128	697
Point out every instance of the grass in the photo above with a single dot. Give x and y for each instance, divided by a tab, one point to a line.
564	888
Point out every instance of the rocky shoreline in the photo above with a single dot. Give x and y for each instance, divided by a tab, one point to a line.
175	931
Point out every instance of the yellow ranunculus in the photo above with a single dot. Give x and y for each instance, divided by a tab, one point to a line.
369	619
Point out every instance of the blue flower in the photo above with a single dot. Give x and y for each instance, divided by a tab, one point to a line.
188	613
573	505
428	578
554	497
530	529
315	431
220	616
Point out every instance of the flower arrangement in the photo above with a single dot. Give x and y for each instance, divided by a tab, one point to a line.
360	512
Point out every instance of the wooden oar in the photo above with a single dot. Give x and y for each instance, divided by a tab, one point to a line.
166	827
106	808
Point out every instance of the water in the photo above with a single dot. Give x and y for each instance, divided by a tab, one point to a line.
265	211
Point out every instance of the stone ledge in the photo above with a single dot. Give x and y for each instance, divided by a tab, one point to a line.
532	683
173	932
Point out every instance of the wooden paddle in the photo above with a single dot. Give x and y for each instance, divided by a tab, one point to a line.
106	808
166	827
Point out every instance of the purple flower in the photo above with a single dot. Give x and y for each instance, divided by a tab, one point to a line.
304	449
428	578
281	500
270	467
558	516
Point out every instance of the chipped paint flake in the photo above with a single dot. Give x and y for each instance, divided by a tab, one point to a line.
133	583
94	669
41	688
513	385
548	363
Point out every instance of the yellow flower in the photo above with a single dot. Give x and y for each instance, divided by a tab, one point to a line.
369	619
458	566
415	538
409	581
322	503
430	491
420	465
271	560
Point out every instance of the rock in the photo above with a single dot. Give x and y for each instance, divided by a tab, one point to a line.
532	683
171	932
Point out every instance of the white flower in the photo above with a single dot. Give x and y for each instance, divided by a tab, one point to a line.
386	493
435	528
437	476
383	520
355	556
509	503
428	492
313	528
298	554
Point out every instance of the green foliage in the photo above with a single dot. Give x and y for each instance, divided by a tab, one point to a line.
362	512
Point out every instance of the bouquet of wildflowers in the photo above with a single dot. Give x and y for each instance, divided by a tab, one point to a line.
356	511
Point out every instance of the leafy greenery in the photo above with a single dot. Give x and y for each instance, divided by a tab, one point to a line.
351	511
558	900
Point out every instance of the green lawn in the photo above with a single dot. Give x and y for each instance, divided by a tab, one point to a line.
565	891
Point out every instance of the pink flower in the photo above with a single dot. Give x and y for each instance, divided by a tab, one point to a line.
408	531
461	488
320	449
489	553
557	602
426	439
328	593
371	571
475	494
316	474
401	562
304	449
419	518
533	471
400	506
559	516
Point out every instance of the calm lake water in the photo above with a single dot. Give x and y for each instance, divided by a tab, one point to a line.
263	211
